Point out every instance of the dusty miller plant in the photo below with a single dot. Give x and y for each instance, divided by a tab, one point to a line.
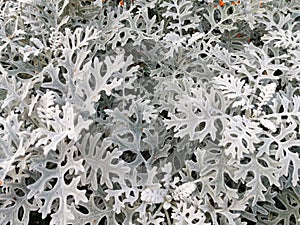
150	112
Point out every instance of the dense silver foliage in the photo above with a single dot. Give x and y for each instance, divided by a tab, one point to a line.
150	112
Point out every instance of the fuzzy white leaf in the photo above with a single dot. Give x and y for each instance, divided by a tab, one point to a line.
268	124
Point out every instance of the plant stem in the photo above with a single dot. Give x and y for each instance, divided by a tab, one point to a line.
168	217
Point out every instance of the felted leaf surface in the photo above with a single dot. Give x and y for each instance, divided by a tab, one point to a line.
100	160
240	136
257	184
54	188
194	116
16	210
63	127
286	211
